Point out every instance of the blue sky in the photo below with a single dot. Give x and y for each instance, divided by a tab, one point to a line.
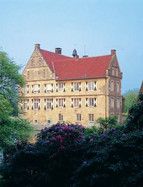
93	27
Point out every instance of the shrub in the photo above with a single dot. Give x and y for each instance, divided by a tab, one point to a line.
51	161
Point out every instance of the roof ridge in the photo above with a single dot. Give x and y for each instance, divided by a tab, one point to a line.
54	53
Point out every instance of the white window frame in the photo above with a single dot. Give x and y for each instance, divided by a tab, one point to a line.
91	102
48	103
61	117
78	117
90	86
35	104
76	86
91	117
26	104
61	102
48	88
36	88
76	102
112	102
60	87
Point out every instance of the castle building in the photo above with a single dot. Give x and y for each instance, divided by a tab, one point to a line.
71	89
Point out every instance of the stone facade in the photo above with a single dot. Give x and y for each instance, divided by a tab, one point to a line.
48	100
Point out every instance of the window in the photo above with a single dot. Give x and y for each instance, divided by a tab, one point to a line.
112	102
91	86
112	86
26	89
117	72
118	102
117	87
26	104
78	117
76	86
61	102
60	117
48	87
60	87
112	71
48	104
75	102
90	102
91	117
36	88
35	104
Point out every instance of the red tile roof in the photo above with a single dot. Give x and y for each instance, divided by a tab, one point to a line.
70	68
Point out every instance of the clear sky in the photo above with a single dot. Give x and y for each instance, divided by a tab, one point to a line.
93	27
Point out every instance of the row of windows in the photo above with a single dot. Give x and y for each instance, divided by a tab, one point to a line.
112	86
78	118
61	102
113	100
61	87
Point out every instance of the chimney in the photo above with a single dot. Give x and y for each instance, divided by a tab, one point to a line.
84	56
37	46
58	50
113	51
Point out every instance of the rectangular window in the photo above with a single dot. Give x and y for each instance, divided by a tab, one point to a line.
117	72
90	102
112	86
117	87
76	102
112	71
26	89
36	104
112	102
118	102
61	102
26	104
91	117
90	86
60	87
36	88
48	104
48	87
76	86
78	117
60	117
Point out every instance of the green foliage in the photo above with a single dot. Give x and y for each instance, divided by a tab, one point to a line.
130	99
69	156
135	117
9	79
106	123
13	129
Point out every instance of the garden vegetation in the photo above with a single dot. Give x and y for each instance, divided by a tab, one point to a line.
64	155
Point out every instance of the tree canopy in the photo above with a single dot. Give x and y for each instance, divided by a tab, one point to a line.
10	78
130	99
11	128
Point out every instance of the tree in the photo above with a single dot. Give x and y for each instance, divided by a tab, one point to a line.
108	122
11	128
130	99
9	79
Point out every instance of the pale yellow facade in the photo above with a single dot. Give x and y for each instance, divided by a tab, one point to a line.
48	101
